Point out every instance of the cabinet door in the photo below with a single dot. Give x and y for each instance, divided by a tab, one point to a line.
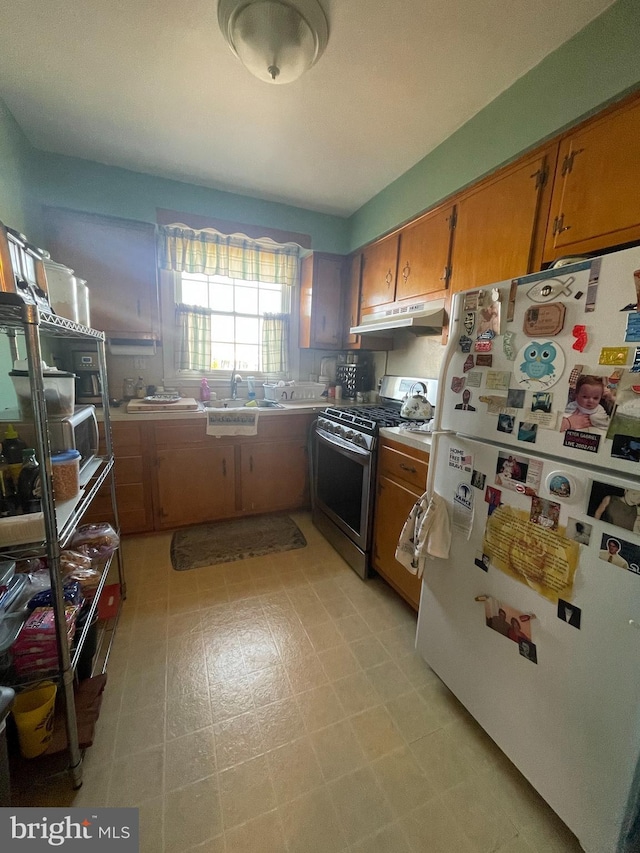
326	318
352	300
424	255
496	226
394	503
195	485
596	203
117	257
274	476
379	266
321	302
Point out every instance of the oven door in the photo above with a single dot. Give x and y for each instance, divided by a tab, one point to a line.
342	486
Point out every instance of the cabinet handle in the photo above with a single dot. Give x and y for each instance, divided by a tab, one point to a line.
388	278
445	274
559	226
408	468
406	272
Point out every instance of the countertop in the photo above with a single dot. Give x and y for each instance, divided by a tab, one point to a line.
411	439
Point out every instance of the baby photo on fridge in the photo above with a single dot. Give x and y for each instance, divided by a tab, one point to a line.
589	405
579	531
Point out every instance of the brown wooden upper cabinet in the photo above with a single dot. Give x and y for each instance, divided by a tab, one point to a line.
379	267
498	233
321	301
596	201
424	255
117	257
352	299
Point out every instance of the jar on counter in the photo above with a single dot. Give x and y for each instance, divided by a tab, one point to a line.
65	472
338	392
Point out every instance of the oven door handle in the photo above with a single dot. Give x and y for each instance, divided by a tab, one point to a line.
347	448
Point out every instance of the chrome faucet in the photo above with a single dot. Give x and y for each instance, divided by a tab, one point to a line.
235	378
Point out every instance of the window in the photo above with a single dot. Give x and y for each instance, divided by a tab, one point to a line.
237	316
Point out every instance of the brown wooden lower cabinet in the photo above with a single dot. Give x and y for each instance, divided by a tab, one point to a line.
171	474
133	480
402	479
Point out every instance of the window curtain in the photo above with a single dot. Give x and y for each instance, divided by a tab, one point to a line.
193	350
208	251
275	343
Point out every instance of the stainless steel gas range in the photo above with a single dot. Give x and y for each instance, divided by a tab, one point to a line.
344	469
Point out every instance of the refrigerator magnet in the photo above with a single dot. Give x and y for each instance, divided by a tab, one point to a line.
469	322
632	332
528	650
469	364
544	320
562	485
545	291
614	355
569	613
464	342
508	346
539	365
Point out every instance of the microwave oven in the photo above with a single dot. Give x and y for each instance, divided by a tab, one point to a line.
78	431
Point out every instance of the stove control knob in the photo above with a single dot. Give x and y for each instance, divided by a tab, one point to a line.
350	435
360	440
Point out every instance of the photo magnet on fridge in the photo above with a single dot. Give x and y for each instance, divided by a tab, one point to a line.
569	613
615	505
620	553
579	531
478	480
528	650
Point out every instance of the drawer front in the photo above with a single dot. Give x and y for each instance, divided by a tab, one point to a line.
402	466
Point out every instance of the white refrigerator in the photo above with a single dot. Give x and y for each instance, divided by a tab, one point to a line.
534	620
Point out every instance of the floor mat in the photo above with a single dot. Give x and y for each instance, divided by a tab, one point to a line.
237	539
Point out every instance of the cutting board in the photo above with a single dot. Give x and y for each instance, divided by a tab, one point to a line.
185	404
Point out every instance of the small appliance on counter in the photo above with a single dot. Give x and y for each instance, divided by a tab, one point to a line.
22	276
88	386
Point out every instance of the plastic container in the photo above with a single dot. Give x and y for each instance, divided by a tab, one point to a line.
205	391
82	291
65	470
63	293
59	393
33	713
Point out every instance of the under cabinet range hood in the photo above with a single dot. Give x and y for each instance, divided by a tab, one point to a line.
421	318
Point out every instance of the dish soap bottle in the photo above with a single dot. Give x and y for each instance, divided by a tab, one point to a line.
205	391
251	384
141	389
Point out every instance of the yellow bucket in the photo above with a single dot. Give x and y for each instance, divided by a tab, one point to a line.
33	712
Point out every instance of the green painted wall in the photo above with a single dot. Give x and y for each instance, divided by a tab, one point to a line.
85	185
595	66
15	154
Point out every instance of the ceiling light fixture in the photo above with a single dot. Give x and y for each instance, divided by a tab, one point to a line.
276	40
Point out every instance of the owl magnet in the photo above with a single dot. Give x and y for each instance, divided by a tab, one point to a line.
539	365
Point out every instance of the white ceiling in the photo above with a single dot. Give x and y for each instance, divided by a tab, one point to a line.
150	85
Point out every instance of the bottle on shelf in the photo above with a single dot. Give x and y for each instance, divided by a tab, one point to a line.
8	505
205	391
141	389
29	487
12	447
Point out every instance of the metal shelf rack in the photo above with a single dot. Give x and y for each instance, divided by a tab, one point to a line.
59	523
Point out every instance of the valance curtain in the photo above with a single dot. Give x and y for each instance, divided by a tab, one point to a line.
208	251
193	350
275	343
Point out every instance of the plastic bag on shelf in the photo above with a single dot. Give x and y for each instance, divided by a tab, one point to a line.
72	593
88	578
97	541
72	560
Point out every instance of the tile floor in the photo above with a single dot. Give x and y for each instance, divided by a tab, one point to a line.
277	705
